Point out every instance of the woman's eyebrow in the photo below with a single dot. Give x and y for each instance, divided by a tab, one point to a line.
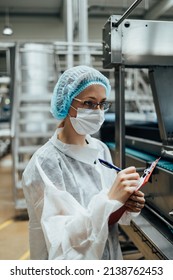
94	98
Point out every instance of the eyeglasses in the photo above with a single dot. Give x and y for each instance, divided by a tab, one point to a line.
104	105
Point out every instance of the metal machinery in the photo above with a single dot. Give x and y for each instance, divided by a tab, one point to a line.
31	123
6	93
145	44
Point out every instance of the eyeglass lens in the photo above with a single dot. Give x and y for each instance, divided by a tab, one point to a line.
93	105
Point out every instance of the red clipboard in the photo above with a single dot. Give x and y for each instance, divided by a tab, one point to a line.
115	216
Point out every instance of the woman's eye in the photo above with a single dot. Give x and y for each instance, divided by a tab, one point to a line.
88	103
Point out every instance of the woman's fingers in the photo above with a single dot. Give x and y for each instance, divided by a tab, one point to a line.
130	183
137	196
138	193
134	205
135	202
124	185
128	170
124	189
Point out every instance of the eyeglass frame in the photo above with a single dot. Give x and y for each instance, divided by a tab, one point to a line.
94	105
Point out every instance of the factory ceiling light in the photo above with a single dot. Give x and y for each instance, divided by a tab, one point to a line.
7	28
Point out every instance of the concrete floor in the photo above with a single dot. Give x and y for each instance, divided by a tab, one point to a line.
13	230
14	239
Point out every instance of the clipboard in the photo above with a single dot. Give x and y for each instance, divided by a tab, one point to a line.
115	216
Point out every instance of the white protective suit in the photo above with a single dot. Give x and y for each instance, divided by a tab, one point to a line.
66	193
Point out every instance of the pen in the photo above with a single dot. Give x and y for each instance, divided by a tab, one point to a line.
112	166
109	165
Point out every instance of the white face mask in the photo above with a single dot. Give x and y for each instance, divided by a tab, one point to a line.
87	121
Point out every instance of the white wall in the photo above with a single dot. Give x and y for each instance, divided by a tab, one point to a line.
95	29
46	29
35	29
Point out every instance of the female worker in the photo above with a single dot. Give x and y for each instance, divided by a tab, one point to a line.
69	194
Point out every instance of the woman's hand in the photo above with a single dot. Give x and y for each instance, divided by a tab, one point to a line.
135	202
125	184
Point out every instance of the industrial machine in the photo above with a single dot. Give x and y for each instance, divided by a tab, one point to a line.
144	44
31	122
6	94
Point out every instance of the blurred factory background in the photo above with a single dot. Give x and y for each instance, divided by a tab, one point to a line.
38	41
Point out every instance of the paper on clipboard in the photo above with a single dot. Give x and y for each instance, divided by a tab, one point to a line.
147	173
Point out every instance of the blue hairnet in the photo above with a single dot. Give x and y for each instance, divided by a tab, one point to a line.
70	84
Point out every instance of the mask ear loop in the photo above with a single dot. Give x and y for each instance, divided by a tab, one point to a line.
74	109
